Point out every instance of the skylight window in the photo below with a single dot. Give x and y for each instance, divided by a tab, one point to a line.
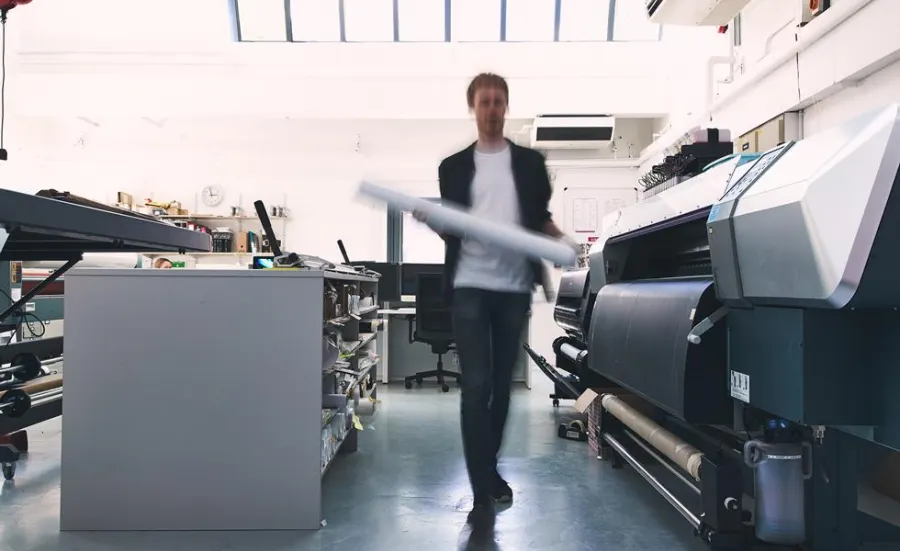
530	20
475	20
632	23
369	20
421	20
316	20
584	20
262	20
442	20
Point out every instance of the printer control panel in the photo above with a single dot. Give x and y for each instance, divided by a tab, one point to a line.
752	175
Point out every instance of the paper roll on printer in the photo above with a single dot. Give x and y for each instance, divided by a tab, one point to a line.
456	221
92	260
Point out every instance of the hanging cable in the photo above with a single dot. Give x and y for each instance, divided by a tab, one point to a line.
4	155
5	6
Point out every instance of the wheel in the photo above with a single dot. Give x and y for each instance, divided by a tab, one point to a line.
556	402
445	387
9	471
407	384
418	380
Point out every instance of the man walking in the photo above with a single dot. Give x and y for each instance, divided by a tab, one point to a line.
491	287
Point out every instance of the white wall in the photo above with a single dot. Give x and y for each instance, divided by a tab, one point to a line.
880	88
852	59
688	50
310	166
409	81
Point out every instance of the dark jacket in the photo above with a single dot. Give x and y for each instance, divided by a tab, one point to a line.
456	174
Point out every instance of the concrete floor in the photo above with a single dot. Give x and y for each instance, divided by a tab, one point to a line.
405	489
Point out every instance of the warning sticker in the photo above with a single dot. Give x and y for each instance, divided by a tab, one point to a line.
740	386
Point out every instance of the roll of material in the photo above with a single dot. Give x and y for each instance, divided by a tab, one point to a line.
680	452
41	384
456	221
572	352
92	260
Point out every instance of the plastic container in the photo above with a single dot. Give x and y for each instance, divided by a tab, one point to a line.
780	470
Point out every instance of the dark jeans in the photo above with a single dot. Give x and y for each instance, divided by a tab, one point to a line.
488	326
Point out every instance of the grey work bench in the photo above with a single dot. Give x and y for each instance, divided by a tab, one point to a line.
194	398
401	359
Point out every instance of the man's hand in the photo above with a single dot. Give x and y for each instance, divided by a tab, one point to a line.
420	216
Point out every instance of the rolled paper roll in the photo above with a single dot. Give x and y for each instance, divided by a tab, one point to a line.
456	221
92	260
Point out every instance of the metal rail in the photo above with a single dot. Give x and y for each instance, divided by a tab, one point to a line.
51	396
652	453
38	398
657	485
19	367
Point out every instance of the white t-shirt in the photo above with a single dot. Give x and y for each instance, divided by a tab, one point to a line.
494	197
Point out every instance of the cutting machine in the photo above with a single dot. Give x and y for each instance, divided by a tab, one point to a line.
753	310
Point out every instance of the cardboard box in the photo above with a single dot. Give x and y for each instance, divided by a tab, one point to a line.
240	242
748	143
589	403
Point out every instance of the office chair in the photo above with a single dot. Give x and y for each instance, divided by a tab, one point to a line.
433	326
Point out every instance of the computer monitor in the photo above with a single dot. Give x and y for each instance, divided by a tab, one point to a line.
389	283
409	274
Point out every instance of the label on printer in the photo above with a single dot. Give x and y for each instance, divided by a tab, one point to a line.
740	386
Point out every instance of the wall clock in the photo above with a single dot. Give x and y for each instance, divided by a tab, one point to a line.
213	196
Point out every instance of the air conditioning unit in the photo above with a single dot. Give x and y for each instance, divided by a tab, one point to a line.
694	12
572	131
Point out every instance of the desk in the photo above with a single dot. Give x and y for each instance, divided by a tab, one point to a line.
398	311
400	358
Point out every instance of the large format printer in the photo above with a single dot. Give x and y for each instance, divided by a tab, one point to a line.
754	309
59	230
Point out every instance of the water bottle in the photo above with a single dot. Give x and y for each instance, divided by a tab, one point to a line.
780	469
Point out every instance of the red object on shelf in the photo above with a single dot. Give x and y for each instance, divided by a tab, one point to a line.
723	29
6	5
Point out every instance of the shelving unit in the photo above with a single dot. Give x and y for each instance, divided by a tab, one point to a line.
252	406
236	223
207	219
352	375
